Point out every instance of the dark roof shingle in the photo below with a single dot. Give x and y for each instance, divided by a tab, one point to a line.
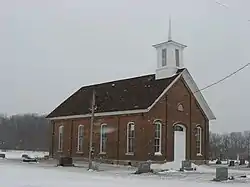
127	94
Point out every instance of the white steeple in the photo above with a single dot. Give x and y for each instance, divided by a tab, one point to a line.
169	29
169	56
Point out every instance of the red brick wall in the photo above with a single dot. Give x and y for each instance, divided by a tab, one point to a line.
165	110
190	117
66	138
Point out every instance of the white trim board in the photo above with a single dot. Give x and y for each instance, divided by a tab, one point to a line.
100	114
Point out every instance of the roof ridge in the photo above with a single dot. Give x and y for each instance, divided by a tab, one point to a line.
128	78
118	80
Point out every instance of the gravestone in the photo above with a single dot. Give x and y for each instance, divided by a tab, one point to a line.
143	167
65	161
95	166
218	162
242	162
231	163
221	174
186	165
29	160
25	156
2	155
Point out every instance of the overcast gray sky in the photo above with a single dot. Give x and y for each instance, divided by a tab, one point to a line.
50	48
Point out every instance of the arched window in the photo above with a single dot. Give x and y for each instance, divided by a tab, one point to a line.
178	128
157	137
198	141
60	138
80	138
103	138
130	138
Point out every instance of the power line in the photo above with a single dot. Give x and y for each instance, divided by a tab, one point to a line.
221	80
221	4
225	6
235	72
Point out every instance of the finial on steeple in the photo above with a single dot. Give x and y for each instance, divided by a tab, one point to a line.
169	30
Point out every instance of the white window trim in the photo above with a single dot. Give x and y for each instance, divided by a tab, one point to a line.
60	140
199	129
159	153
101	134
162	59
127	150
177	63
78	139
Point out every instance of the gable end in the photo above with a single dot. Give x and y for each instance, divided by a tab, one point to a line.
198	95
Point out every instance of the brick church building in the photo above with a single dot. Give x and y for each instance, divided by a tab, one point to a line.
158	117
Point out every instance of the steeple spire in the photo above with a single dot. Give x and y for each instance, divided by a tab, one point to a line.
169	30
169	56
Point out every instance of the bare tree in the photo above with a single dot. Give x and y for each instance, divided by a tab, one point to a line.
27	131
229	145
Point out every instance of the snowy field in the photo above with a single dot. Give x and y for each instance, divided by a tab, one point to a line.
18	174
15	173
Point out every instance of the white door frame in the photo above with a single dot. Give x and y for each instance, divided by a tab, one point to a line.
184	130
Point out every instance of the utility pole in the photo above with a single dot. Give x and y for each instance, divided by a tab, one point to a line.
248	149
91	129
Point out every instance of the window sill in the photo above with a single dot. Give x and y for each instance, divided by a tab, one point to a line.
79	152
102	153
199	154
130	154
158	154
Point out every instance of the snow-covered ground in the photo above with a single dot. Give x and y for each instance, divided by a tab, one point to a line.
14	173
17	174
17	154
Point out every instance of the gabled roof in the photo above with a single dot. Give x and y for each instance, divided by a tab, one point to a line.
127	96
121	95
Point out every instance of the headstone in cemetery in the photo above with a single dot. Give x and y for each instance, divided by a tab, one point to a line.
242	162
25	156
143	167
29	160
221	174
231	163
95	166
65	161
186	165
218	162
2	155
